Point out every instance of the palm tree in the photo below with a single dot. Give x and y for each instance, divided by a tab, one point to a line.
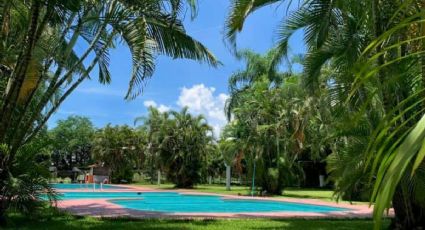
47	62
398	139
185	148
257	68
229	149
40	65
271	124
178	144
156	124
372	48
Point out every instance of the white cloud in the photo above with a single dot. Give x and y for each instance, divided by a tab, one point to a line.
201	100
161	108
149	103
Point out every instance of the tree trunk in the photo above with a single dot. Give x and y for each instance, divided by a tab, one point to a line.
228	177
3	178
422	47
409	214
2	214
159	178
5	23
18	76
3	208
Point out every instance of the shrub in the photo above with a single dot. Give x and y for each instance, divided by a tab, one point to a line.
23	181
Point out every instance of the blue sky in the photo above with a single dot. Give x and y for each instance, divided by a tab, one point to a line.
178	83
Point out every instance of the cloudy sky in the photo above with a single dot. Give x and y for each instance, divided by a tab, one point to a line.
178	83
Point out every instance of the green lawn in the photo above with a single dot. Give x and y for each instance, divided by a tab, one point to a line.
56	220
325	194
220	189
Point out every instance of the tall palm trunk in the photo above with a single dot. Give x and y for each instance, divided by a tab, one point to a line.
422	46
4	173
18	76
378	30
5	21
409	212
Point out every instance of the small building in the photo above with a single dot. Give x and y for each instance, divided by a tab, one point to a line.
98	174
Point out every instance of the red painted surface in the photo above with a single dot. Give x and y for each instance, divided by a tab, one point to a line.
89	178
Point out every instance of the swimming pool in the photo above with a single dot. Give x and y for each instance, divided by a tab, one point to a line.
86	186
172	202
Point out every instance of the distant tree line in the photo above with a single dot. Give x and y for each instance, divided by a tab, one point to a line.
177	143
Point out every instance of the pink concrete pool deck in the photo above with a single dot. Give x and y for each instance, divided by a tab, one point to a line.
104	208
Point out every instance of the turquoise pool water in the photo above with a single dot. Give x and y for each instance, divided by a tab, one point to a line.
85	186
172	202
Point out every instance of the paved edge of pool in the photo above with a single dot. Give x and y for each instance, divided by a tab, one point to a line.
105	208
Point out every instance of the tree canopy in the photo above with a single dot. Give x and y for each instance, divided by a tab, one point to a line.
357	106
367	55
71	141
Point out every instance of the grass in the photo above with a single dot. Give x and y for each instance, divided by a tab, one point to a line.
52	219
323	194
219	189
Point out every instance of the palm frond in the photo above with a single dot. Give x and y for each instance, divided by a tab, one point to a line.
239	11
